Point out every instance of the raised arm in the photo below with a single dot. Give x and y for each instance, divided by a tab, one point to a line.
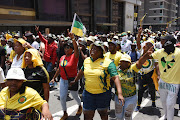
143	59
40	35
139	38
76	52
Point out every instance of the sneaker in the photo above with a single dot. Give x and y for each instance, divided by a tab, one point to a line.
137	108
79	111
64	117
178	113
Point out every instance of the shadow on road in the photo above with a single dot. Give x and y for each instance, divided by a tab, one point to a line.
151	111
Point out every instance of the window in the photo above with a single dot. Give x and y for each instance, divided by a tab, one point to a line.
155	3
160	18
154	18
161	3
160	11
154	11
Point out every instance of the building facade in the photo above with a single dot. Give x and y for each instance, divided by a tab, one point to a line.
96	15
161	14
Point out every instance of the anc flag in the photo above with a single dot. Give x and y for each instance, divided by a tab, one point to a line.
77	27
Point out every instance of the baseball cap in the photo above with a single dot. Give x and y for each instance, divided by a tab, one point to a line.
100	44
114	42
69	43
15	73
125	57
28	34
169	39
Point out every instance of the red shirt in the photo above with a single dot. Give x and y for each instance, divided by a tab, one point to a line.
50	50
70	64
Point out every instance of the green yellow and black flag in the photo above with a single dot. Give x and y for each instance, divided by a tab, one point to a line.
77	27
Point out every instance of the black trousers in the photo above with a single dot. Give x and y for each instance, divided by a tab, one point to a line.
146	80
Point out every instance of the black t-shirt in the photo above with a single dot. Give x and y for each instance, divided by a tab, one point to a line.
35	78
2	53
81	61
60	52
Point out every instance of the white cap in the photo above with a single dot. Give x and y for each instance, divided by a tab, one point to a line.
15	73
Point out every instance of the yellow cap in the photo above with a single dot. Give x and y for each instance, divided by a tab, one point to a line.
125	57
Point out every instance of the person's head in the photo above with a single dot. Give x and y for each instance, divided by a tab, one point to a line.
148	44
82	44
97	50
18	46
168	42
112	47
128	33
11	42
118	47
29	37
50	38
133	46
31	59
90	40
125	62
14	79
3	41
68	47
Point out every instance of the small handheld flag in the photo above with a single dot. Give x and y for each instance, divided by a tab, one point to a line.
77	27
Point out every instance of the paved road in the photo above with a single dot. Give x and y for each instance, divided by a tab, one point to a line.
146	113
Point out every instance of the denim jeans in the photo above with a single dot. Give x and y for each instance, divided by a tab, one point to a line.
64	93
126	111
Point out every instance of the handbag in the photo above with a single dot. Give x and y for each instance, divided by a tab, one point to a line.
73	87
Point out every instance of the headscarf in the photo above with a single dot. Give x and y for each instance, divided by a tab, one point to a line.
36	59
20	40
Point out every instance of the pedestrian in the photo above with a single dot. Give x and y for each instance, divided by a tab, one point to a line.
97	71
20	102
126	75
68	70
169	60
50	55
19	52
35	73
146	72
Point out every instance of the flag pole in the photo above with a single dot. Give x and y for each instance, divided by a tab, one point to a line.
73	21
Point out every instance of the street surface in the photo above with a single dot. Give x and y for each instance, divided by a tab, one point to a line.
146	113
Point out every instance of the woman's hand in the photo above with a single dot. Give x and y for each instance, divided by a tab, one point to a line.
37	28
52	81
46	115
72	82
121	99
71	35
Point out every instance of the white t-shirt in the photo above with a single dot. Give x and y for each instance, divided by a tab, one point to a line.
125	45
35	45
17	63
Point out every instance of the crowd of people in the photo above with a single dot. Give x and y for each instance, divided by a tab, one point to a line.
91	65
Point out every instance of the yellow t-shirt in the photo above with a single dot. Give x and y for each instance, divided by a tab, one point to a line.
97	74
127	82
30	98
169	65
114	57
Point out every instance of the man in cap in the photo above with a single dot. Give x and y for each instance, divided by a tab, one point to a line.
169	83
20	102
113	54
50	55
